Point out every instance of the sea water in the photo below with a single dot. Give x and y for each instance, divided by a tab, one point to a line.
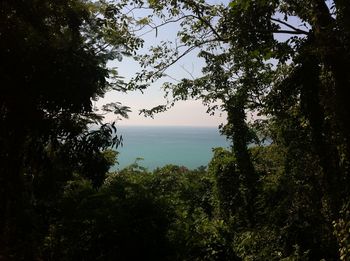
157	146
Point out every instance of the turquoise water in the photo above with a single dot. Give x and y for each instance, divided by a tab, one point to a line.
158	146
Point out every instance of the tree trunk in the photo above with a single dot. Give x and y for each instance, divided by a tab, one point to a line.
332	46
15	225
332	181
240	138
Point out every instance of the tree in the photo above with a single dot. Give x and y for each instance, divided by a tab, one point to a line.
297	82
53	65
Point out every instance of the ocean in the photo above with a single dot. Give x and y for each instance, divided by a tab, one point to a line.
157	146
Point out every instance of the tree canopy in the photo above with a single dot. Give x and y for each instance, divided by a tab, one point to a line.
280	193
53	66
284	60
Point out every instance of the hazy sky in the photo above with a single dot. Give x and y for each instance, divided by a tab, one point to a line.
187	113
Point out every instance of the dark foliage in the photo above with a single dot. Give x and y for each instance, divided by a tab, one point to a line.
280	193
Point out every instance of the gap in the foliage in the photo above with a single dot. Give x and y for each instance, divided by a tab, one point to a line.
160	145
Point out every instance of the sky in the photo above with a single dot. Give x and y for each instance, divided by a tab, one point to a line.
184	113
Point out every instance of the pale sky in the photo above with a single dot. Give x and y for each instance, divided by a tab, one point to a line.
185	113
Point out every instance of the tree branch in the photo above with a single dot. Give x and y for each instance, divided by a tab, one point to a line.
156	27
290	26
207	23
286	32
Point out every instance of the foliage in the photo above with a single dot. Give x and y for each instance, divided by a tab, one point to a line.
54	58
285	61
165	215
280	193
108	223
342	226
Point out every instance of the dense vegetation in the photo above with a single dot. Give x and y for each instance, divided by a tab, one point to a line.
285	199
